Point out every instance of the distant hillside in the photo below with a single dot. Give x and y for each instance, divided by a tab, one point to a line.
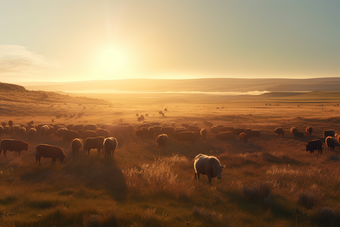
17	93
202	85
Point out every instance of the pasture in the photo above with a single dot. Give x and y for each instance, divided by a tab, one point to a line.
268	181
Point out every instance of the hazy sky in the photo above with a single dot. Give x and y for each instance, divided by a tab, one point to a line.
61	40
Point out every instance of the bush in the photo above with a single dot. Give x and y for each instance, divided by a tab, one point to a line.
258	192
307	200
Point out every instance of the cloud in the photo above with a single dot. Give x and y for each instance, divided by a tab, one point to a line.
17	59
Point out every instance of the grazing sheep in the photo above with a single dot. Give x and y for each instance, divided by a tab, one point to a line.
186	136
13	145
49	151
141	132
167	130
215	130
237	131
44	130
193	128
103	132
298	134
331	142
224	129
173	124
314	145
78	127
207	165
88	133
309	130
94	143
32	132
110	144
203	133
16	129
92	127
279	131
70	135
60	132
76	145
327	133
244	136
162	139
293	130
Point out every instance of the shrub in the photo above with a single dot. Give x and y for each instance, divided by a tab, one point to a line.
307	200
258	192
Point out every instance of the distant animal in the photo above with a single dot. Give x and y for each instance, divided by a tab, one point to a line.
203	134
162	139
237	131
78	127
16	129
194	128
32	132
13	145
141	132
49	151
225	136
22	131
185	125
309	130
76	145
293	130
207	165
110	145
314	145
172	124
298	134
167	130
44	130
70	135
279	131
244	136
224	129
254	134
88	133
331	142
92	127
60	132
103	132
94	143
327	133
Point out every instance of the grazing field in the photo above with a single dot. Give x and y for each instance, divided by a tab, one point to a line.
269	181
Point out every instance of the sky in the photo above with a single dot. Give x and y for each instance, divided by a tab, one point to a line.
63	40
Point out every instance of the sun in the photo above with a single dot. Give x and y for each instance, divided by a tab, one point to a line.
114	60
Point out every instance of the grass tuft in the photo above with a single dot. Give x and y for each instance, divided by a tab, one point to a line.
307	200
257	193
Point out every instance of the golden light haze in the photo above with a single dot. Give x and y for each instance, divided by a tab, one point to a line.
106	39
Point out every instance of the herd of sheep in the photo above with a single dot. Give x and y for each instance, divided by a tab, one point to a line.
104	137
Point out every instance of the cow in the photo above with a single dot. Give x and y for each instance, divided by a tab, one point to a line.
76	145
330	142
207	165
244	136
49	151
279	131
203	134
314	145
309	130
94	143
162	139
225	136
327	133
110	144
13	145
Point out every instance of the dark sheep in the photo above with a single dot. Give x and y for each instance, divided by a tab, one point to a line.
185	125
103	132
215	130
60	132
237	131
88	133
94	143
330	142
208	124
32	132
13	145
298	134
224	129
254	134
78	128
167	130
327	133
49	151
186	136
225	136
16	129
110	145
244	136
92	127
76	145
279	131
44	130
162	139
314	145
309	130
203	134
207	165
194	128
293	130
70	135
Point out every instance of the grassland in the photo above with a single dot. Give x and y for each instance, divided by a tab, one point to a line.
269	181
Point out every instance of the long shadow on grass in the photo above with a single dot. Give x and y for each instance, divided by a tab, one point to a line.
274	204
92	171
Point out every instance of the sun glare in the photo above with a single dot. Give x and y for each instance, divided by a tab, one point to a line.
113	60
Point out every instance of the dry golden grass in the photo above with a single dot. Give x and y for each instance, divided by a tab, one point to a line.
269	181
